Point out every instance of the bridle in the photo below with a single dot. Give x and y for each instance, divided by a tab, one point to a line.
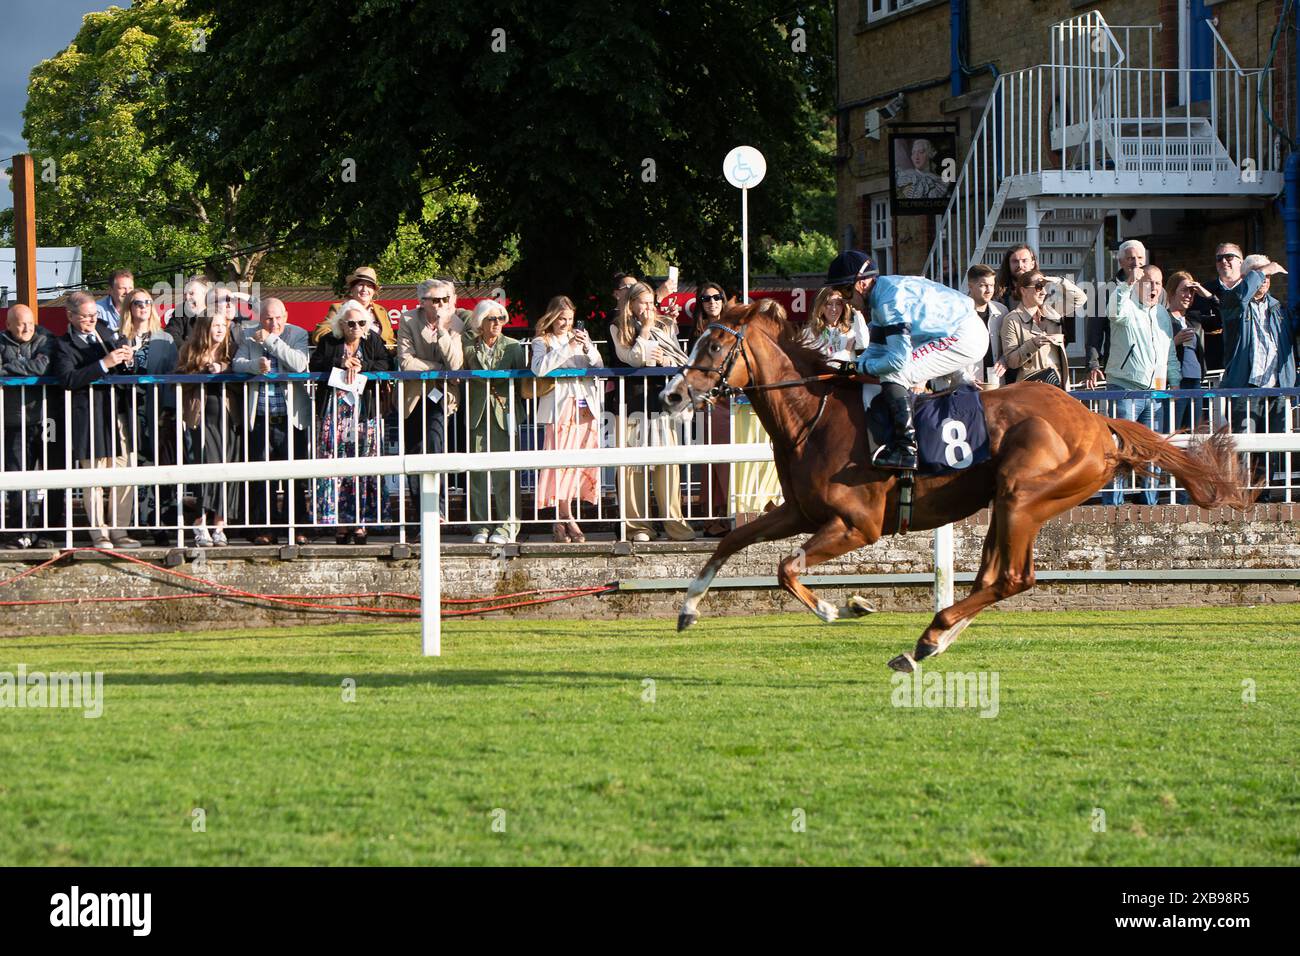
738	350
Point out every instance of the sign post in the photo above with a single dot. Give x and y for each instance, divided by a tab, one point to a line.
744	168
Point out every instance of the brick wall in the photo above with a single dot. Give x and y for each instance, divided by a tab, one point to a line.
1087	539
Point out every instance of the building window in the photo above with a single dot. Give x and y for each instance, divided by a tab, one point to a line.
879	9
882	234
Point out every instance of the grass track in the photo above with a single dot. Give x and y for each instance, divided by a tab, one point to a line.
1139	714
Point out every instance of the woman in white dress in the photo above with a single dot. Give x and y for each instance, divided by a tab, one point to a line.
570	412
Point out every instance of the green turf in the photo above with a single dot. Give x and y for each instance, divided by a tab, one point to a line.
1139	714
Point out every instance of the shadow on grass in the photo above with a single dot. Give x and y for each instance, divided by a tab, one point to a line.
446	678
517	628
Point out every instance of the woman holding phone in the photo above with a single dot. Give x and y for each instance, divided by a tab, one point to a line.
1033	336
570	412
643	338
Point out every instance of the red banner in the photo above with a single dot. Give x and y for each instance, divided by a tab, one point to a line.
309	314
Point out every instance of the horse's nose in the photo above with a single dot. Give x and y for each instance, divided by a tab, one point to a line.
672	399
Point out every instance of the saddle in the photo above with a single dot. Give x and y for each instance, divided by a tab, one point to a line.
951	434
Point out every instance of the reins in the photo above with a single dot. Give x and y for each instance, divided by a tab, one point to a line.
846	376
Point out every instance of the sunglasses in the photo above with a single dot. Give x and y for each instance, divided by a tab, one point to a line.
141	304
711	298
437	299
356	325
1040	285
1226	257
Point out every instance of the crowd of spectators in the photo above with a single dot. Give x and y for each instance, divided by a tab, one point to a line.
1156	333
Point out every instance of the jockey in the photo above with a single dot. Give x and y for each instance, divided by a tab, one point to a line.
920	330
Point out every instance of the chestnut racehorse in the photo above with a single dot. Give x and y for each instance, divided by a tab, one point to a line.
1048	452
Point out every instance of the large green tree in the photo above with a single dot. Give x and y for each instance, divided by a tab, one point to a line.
591	135
105	181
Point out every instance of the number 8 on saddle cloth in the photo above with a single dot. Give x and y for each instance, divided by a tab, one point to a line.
950	431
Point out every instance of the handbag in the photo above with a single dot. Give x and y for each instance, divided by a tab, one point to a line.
536	387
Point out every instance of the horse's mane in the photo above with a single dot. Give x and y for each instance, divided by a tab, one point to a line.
795	340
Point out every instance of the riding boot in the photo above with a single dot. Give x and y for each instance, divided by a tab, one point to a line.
900	454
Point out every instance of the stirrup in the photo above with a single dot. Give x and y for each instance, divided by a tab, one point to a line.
896	458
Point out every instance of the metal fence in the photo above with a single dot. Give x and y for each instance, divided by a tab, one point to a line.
188	419
125	421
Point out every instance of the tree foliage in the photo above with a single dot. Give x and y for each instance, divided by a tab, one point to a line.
103	182
589	136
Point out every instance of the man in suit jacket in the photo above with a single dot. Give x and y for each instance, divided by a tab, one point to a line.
278	413
102	435
25	350
429	340
493	418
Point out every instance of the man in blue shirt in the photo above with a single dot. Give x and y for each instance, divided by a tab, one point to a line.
920	331
109	308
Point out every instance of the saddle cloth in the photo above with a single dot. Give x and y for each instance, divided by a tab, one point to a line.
950	431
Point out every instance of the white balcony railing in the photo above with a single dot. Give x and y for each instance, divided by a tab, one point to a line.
1091	124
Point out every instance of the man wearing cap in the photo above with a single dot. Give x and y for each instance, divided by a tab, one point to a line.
1259	349
920	330
363	285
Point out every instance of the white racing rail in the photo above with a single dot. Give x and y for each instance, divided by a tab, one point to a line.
430	466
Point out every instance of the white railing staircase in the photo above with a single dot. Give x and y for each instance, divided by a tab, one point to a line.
1099	128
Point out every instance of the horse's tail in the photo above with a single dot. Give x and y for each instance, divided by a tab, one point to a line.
1209	469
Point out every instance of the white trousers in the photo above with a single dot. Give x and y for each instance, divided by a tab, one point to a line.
951	354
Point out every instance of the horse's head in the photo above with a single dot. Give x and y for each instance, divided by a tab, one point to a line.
719	362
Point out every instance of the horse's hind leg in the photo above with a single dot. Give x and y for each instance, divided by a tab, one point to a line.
782	522
830	541
1007	564
1006	568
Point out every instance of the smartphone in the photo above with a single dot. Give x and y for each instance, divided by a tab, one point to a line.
580	326
672	277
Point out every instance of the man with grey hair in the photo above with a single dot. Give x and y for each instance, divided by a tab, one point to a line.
102	434
1132	256
25	350
429	340
278	412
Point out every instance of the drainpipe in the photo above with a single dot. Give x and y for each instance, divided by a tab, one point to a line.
954	46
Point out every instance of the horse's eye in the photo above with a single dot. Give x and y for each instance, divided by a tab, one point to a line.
715	347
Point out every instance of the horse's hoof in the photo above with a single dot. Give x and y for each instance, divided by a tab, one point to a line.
859	607
686	620
903	663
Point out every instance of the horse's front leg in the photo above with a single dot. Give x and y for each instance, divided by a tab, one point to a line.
831	540
782	522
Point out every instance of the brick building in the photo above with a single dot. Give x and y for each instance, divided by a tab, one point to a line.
1075	125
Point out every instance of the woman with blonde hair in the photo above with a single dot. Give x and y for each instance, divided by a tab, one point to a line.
642	338
570	412
213	413
838	329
